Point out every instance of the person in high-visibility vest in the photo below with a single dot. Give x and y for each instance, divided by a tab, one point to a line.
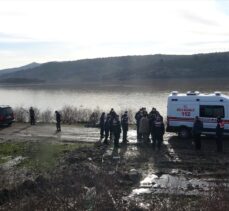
219	134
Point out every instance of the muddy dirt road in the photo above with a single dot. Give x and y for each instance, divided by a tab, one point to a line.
21	131
143	175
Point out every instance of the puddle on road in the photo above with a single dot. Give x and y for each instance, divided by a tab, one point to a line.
167	183
132	135
124	152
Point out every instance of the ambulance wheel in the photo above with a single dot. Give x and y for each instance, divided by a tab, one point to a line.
184	133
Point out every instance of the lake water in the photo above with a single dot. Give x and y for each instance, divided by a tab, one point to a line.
119	97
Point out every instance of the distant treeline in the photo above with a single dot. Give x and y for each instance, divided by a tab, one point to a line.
21	81
129	68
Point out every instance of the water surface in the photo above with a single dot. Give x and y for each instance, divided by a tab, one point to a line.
105	96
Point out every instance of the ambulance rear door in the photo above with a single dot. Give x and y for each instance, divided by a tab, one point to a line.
183	113
209	113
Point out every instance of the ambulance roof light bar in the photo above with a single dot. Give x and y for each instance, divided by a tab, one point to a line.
174	93
217	93
193	93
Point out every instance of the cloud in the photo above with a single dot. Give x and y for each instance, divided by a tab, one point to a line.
207	42
12	38
69	30
200	20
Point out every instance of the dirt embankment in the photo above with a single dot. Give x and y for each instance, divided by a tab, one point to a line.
132	177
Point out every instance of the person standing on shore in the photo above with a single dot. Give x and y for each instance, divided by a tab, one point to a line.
112	117
116	130
32	116
219	134
58	120
152	118
112	113
101	125
144	127
107	128
196	131
124	122
159	131
138	117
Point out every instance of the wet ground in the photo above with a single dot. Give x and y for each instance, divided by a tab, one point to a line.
42	132
175	169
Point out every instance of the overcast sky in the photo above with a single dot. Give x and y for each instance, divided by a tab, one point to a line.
51	30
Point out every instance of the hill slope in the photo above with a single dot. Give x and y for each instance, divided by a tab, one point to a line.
129	68
26	67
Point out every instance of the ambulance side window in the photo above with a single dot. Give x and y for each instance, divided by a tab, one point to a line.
212	111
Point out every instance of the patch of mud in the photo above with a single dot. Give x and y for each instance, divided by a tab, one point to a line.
133	173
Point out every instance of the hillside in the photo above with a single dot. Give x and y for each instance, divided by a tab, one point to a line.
128	68
12	70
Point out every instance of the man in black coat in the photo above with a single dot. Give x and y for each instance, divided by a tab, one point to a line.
138	117
58	120
101	125
116	130
125	126
152	118
196	131
107	128
219	134
112	116
32	116
112	113
159	131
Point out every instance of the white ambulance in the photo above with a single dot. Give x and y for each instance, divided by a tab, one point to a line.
182	108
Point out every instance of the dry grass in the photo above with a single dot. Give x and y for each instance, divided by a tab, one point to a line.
70	115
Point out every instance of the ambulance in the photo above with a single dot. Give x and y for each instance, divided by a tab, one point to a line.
182	108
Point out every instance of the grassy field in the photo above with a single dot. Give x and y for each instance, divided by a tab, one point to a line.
37	156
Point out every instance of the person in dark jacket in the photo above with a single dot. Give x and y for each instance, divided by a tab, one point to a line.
101	125
112	116
112	113
144	127
94	118
32	116
107	128
196	131
138	117
58	120
152	117
116	130
125	126
159	130
219	134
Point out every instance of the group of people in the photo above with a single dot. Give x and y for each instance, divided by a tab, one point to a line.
111	126
148	124
33	118
198	129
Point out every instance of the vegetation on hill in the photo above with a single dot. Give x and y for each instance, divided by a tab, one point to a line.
129	68
26	67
